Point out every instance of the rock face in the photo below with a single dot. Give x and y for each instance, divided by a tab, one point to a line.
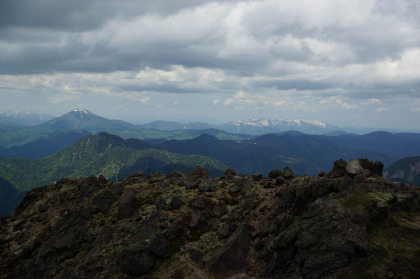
350	223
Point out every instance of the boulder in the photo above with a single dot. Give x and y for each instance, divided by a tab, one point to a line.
135	261
104	199
372	168
354	168
199	172
288	173
208	185
275	173
339	168
128	204
230	259
175	203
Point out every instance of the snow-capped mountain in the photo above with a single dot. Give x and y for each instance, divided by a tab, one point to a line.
23	118
83	119
270	125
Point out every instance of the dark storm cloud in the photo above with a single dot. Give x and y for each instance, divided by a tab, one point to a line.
245	55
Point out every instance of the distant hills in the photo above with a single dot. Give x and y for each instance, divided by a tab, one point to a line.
252	127
100	154
23	118
405	170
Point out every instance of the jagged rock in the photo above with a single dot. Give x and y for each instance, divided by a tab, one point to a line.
208	185
311	227
199	172
88	186
322	174
175	173
354	168
196	256
175	203
257	176
280	181
136	174
288	173
128	204
159	246
136	261
43	208
161	203
198	203
275	173
372	168
104	199
231	258
339	168
229	171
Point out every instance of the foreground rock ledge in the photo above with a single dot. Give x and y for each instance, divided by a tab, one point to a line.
350	223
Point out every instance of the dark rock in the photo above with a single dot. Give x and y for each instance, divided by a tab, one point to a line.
280	181
161	203
322	174
275	173
175	203
199	203
117	188
339	168
104	199
199	172
373	168
102	180
235	188
229	172
42	208
159	246
288	173
88	186
230	259
175	231
196	256
136	174
208	185
175	173
257	176
135	261
128	204
219	210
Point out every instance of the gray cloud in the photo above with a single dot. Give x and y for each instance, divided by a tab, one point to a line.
269	51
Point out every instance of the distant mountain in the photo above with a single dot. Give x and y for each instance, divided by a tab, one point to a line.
172	125
398	145
100	154
160	135
23	118
9	197
405	170
305	154
270	125
85	120
252	127
44	146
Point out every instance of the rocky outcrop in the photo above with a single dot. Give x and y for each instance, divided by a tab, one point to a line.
350	223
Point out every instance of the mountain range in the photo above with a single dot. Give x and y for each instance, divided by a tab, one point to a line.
65	147
23	118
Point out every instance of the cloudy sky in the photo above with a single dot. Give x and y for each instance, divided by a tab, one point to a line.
349	63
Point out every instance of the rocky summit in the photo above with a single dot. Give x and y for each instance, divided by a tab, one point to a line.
348	223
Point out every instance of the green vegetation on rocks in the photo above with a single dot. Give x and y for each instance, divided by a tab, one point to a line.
167	226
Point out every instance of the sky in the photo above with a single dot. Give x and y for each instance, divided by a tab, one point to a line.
348	63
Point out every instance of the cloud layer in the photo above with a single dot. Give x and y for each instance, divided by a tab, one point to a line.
355	59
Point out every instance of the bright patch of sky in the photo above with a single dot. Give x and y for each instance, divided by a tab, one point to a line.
348	63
